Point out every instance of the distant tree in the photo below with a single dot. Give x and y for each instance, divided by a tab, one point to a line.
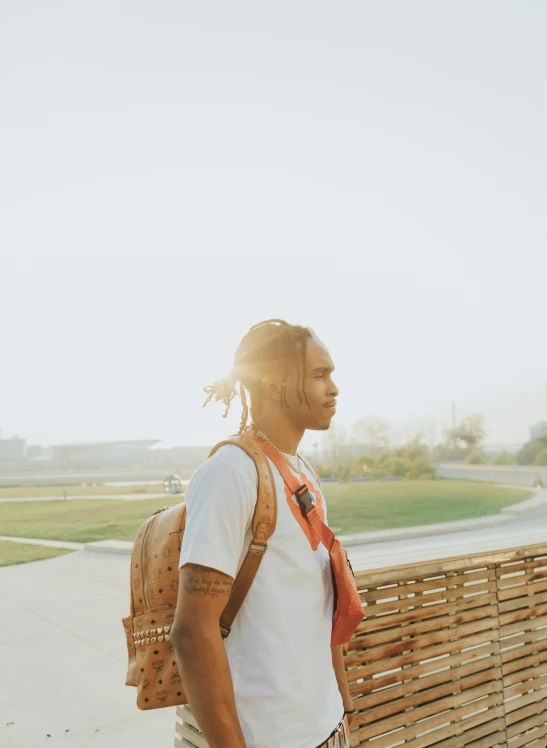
447	451
430	428
373	432
333	439
541	458
527	455
471	430
413	449
396	467
476	458
366	462
504	458
343	472
421	468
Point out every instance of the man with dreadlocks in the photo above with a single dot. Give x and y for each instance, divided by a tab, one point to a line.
277	682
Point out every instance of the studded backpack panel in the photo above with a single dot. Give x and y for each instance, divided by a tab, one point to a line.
153	668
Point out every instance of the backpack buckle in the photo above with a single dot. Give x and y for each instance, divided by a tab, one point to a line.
305	500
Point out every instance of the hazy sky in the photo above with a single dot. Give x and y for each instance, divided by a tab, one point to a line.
173	172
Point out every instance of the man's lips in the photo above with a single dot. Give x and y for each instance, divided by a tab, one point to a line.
331	404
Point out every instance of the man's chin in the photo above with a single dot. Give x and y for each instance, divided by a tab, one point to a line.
319	427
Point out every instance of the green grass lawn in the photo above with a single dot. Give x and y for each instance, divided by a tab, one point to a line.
17	553
20	492
356	507
365	507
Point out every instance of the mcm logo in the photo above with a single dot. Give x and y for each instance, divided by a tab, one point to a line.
175	679
157	574
161	695
157	665
145	684
174	586
166	551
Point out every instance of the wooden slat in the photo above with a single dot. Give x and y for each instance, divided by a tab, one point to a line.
522	675
525	625
458	679
486	657
523	615
426	653
523	701
533	718
490	706
485	735
529	737
513	644
427	585
382	607
531	599
523	686
376	623
425	626
532	654
523	588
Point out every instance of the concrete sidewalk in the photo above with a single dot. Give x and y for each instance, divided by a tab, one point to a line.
63	658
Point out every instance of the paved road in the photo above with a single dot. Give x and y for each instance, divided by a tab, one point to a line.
526	531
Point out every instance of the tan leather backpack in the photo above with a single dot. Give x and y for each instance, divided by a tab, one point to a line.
155	581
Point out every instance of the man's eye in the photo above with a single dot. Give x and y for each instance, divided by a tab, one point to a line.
319	376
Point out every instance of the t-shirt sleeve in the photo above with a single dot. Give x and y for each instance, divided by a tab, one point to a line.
220	501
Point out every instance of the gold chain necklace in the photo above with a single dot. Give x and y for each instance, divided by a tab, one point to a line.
295	468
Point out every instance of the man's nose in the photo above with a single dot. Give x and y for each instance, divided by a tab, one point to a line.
334	391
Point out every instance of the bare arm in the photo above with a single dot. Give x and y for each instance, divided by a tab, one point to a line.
202	660
340	672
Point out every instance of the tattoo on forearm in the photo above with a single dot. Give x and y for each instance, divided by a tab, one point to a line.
199	581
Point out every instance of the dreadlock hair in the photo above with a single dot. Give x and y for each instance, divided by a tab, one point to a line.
272	344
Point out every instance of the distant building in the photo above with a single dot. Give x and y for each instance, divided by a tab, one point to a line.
13	450
538	429
103	454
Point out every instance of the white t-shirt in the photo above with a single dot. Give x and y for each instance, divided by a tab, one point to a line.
279	646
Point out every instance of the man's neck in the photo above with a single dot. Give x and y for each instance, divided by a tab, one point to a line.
285	438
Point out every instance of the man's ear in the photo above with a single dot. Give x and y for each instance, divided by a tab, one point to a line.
271	384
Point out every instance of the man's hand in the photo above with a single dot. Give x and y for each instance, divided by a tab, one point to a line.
196	638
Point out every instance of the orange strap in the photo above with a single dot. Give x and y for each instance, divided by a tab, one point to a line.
303	497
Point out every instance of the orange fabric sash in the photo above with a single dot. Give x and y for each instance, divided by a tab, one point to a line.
348	610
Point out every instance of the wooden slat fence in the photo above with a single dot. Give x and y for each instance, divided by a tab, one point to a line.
452	653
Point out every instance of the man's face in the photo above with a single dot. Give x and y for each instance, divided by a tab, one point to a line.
318	386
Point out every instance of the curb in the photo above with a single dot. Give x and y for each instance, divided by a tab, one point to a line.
421	531
47	543
118	547
506	515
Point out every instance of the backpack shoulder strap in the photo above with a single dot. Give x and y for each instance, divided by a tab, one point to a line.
263	526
